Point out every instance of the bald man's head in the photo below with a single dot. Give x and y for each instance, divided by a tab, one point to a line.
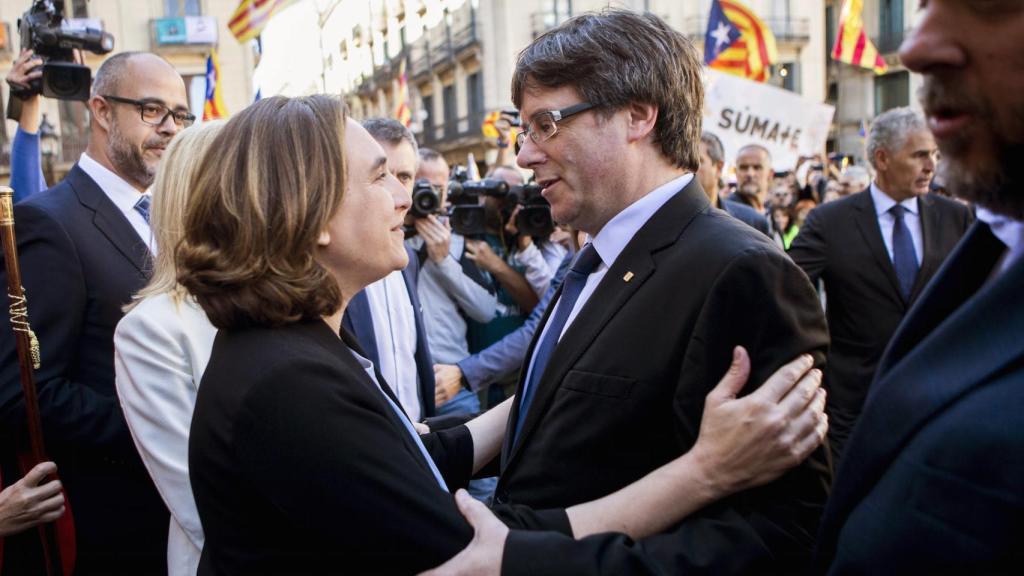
124	139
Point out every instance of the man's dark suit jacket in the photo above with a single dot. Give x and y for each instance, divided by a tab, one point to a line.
841	243
299	465
931	482
623	394
747	215
359	322
81	260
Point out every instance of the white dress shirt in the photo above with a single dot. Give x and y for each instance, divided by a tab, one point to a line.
612	240
122	194
161	349
886	220
394	328
1009	232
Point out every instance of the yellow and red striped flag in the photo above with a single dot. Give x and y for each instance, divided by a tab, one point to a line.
252	16
214	107
852	43
742	44
402	112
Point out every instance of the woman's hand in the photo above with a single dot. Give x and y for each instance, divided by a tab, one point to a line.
749	441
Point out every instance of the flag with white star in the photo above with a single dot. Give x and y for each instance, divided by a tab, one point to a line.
720	35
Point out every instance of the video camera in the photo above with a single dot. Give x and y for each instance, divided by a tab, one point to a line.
425	199
467	215
534	218
42	30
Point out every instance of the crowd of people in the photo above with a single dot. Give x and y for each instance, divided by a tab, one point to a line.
258	356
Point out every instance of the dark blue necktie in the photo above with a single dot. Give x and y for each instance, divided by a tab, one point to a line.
587	261
142	206
904	258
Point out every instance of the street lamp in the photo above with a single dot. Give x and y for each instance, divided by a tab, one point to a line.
48	144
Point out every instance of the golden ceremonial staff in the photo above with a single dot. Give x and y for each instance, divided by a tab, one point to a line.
28	358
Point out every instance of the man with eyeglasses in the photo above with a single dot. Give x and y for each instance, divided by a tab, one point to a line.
85	247
647	319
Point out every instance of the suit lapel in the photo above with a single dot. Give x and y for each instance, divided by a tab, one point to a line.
867	223
424	362
109	220
930	363
931	222
610	296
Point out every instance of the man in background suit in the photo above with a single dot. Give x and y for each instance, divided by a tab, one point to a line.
931	478
84	248
874	263
709	175
613	383
386	317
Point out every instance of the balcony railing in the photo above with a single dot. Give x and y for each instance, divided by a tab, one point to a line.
785	29
451	131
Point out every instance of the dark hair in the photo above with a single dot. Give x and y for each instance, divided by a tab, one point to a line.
259	204
390	131
617	57
429	155
716	152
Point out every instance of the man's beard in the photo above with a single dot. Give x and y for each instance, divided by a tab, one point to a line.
998	182
128	160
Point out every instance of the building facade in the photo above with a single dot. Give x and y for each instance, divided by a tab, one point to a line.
182	31
859	94
458	55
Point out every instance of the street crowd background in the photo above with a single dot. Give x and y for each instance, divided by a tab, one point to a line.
854	219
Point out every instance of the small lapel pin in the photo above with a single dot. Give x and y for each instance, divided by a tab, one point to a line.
628	276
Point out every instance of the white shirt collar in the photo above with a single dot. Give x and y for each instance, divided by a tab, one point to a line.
616	234
884	202
120	192
1008	231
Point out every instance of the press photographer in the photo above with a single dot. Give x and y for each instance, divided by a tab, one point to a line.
43	30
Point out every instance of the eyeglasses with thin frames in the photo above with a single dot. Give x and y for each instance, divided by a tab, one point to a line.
154	113
544	125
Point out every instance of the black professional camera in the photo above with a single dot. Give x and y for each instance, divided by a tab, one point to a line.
466	214
534	218
42	31
425	199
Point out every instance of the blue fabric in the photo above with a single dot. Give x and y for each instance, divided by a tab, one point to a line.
587	261
26	166
904	259
142	206
506	355
465	402
721	33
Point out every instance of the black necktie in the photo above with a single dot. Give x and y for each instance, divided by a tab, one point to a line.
587	261
904	258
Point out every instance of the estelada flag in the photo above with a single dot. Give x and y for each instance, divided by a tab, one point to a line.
402	112
738	42
252	16
214	107
852	43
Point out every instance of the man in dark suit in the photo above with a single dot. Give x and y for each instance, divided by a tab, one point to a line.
931	479
873	263
386	317
709	175
84	249
614	380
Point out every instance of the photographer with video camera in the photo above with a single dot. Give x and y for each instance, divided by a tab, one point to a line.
452	288
26	163
85	246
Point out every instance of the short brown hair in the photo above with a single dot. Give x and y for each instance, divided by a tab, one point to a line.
274	178
615	57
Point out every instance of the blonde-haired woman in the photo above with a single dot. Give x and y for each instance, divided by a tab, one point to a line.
162	346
